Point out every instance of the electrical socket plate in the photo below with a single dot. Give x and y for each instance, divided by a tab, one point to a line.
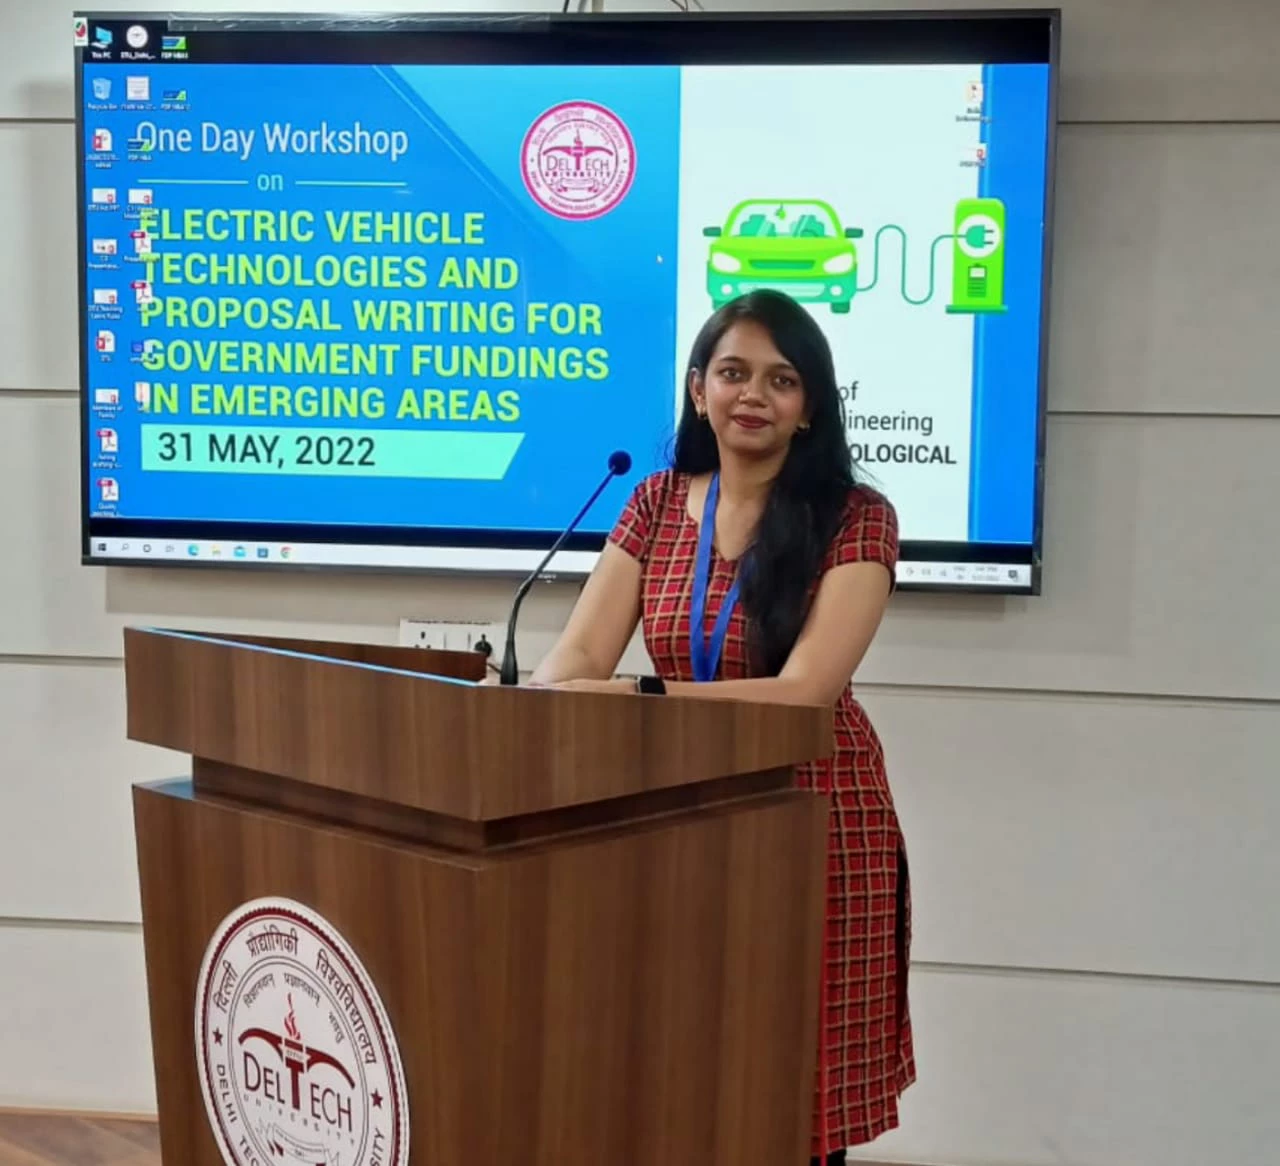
449	637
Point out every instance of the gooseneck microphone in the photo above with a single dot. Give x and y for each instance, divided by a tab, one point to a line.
619	464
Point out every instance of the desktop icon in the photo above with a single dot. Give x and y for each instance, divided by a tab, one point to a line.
104	246
142	394
103	196
173	44
102	37
137	88
141	196
136	36
109	489
105	297
101	141
105	341
106	396
101	89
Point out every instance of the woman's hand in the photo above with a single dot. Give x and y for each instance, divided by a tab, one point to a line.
602	622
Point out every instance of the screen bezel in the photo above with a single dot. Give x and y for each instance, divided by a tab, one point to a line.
604	38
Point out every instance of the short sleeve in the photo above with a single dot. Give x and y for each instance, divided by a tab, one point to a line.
638	522
868	534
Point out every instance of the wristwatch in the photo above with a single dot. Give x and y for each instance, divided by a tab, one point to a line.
651	686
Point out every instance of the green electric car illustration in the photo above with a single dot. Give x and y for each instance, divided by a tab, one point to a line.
791	245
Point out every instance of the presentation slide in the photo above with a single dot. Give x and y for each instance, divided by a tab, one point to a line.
437	297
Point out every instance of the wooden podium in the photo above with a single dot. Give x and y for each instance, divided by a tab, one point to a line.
395	917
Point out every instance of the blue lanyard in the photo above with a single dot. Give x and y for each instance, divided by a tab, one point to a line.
705	653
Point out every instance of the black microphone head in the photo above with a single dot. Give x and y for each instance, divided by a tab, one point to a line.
619	462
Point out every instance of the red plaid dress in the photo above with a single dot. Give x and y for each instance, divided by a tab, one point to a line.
865	1058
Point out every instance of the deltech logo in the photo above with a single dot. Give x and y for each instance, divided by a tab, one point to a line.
578	160
298	1064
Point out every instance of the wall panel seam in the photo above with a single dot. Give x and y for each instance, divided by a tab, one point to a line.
1132	979
59	661
53	923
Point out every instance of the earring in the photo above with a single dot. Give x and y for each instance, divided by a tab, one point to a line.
803	427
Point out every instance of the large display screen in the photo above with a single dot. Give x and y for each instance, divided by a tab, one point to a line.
387	293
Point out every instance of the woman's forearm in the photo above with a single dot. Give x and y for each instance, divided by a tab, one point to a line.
565	662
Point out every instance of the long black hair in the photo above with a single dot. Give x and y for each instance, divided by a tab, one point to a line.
807	500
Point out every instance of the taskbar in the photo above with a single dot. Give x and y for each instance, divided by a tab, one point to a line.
921	574
144	551
912	574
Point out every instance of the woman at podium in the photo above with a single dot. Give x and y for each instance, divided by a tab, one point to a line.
759	568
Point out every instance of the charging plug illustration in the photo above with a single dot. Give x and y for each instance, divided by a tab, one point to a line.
977	279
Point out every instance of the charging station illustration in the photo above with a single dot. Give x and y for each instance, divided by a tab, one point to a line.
977	274
800	247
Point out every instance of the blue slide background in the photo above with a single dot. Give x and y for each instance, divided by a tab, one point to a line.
1007	346
461	158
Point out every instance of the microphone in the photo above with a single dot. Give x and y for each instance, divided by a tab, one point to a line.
619	464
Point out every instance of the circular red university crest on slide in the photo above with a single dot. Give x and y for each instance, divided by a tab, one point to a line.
297	1060
578	160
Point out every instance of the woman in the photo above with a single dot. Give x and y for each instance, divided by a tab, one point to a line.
760	539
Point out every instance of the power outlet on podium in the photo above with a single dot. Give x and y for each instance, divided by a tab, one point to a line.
450	637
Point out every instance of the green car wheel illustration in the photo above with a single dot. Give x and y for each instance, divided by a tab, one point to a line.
791	245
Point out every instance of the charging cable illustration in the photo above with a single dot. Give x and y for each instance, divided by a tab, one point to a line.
894	229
